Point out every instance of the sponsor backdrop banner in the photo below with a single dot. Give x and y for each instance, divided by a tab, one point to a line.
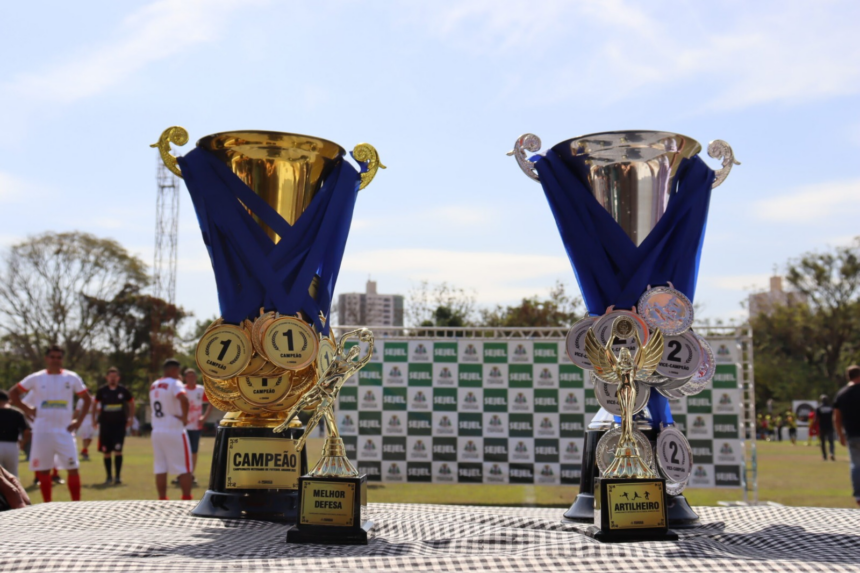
509	411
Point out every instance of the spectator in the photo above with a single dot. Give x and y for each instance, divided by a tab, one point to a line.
813	428
197	406
779	424
846	420
791	423
14	431
824	421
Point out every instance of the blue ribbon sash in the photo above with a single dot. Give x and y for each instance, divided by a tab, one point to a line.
251	271
609	267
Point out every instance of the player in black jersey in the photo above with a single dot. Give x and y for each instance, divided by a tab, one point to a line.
113	413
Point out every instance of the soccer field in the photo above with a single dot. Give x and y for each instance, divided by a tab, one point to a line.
790	475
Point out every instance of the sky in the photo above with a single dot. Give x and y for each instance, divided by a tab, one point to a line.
442	90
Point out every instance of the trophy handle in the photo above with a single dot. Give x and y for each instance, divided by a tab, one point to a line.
364	152
719	149
526	142
176	135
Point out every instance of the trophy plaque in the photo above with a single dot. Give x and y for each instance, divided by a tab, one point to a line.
274	210
332	496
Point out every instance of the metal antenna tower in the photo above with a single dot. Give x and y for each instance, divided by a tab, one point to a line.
164	265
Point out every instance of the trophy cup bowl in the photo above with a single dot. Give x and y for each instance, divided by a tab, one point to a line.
632	174
286	171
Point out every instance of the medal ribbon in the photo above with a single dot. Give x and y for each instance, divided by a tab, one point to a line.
251	271
609	267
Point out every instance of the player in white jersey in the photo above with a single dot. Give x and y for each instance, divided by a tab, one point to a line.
85	432
197	406
169	441
53	391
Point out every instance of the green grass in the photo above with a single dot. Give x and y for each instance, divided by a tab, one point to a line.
790	475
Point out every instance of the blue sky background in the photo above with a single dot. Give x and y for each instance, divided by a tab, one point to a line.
442	89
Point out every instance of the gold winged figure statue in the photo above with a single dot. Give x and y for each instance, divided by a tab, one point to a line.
323	397
624	370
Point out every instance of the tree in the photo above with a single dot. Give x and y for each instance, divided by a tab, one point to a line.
803	348
48	287
440	305
559	309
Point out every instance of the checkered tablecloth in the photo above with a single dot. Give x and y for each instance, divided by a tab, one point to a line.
152	537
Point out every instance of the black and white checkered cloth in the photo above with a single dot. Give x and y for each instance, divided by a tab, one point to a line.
152	536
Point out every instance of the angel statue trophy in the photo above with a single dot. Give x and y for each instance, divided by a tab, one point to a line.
333	495
625	370
617	513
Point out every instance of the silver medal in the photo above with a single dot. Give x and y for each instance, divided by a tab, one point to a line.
681	356
606	396
609	443
603	331
674	455
575	342
666	308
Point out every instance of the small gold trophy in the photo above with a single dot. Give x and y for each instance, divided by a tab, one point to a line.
629	500
332	496
264	362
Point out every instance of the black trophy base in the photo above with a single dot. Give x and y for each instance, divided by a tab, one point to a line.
267	505
681	515
582	510
229	501
598	534
331	511
355	536
629	510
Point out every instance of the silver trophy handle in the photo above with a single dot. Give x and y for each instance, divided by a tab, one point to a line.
719	149
526	142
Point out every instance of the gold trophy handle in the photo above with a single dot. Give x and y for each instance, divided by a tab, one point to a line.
365	152
177	136
719	149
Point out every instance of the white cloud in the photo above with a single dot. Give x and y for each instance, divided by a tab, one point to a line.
755	54
744	283
155	32
498	277
811	203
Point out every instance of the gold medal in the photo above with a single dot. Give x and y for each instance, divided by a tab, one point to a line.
223	352
326	355
303	380
256	364
244	406
257	330
264	391
284	405
216	402
290	343
225	390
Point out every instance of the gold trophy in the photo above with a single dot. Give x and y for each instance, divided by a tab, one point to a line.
332	496
629	500
259	368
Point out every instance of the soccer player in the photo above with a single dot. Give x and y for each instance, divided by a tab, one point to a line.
169	441
112	414
53	391
197	406
85	432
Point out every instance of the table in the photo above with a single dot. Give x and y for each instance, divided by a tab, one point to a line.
161	536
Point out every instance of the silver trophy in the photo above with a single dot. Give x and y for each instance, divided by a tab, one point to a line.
633	175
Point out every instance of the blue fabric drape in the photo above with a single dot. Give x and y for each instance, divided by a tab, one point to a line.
251	271
609	267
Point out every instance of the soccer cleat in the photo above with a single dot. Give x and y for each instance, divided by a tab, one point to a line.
58	480
117	481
